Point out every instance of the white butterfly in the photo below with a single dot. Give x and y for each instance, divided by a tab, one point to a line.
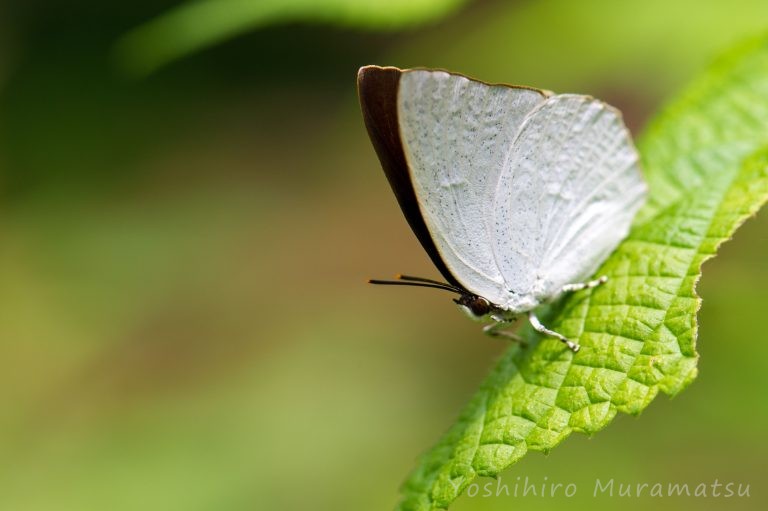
516	194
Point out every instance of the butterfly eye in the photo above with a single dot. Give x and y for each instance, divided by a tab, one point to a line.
479	306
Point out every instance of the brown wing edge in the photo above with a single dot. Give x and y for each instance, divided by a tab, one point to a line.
377	89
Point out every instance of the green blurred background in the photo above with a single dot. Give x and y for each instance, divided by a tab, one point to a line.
184	323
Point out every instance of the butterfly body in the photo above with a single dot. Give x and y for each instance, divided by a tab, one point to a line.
516	194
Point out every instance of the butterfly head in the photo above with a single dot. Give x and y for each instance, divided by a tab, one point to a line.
474	306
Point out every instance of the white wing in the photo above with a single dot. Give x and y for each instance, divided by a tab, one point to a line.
569	191
457	134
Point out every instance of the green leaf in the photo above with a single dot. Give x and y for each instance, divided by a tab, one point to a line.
706	162
198	24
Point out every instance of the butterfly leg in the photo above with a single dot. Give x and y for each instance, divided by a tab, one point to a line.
536	324
495	330
569	288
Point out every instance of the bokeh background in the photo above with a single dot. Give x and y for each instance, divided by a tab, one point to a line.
190	210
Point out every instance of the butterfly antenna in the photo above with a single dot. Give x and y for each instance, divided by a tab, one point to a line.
422	279
434	285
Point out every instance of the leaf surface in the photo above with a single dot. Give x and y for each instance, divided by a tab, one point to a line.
706	161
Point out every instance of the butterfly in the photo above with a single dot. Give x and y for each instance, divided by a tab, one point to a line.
516	194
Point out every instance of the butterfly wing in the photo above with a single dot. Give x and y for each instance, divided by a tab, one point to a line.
566	198
455	134
512	193
378	90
